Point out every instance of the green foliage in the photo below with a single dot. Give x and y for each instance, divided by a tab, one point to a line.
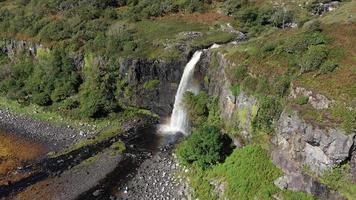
49	78
313	58
299	43
119	146
235	90
200	184
240	72
201	109
248	173
339	179
302	100
202	148
313	26
96	93
197	106
151	84
249	84
347	117
291	195
269	111
328	67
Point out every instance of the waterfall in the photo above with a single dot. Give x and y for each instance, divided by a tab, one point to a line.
179	121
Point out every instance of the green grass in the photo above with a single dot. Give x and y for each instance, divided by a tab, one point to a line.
119	146
248	173
36	112
339	179
336	116
157	38
343	14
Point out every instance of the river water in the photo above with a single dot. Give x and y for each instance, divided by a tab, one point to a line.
16	152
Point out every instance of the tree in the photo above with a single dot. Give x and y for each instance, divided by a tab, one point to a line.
203	148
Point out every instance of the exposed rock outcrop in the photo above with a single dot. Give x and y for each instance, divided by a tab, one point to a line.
318	101
236	111
160	97
316	147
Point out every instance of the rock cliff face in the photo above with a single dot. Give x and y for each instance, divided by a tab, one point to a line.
296	144
318	148
236	111
158	97
318	101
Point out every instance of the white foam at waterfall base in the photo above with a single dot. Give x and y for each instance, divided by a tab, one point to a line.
179	121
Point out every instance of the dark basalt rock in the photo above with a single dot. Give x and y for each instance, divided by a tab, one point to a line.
159	98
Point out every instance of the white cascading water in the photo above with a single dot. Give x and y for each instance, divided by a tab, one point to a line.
179	121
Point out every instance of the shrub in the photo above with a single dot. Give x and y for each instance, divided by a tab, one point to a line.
269	47
302	100
202	148
235	90
240	72
42	99
281	85
269	110
313	58
313	26
151	84
248	173
281	17
249	84
328	67
197	107
339	179
300	42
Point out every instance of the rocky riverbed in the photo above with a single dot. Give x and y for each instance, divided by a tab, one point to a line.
146	170
157	178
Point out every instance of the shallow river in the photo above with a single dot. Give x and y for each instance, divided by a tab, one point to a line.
15	152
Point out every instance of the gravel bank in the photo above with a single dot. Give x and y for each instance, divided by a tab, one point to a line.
57	136
156	179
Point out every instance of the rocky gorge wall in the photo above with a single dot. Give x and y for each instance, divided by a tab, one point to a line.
296	145
236	111
150	84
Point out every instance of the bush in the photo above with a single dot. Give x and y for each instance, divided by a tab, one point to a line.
240	72
42	99
248	173
269	47
302	100
313	26
203	147
197	107
269	111
313	58
151	84
235	90
300	42
249	84
328	67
